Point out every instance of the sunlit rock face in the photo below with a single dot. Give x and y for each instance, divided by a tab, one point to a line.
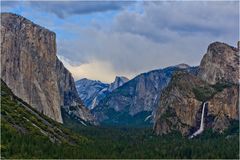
178	107
31	69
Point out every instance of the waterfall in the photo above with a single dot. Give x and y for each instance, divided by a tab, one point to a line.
201	128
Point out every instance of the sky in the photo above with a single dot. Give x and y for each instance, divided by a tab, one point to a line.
103	39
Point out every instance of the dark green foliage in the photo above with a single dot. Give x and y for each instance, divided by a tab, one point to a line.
170	112
203	93
128	142
72	108
124	119
20	139
220	86
234	128
26	133
121	143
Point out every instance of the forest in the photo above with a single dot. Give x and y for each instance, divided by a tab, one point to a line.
109	142
21	139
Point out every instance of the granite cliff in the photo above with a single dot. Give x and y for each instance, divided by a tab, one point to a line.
180	104
220	64
31	69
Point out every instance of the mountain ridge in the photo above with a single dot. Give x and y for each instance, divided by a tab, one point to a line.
137	95
92	91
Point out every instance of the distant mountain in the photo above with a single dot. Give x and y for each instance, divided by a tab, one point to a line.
118	82
31	69
92	91
134	102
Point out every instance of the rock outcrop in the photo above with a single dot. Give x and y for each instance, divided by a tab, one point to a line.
31	69
224	106
220	64
118	82
178	107
180	104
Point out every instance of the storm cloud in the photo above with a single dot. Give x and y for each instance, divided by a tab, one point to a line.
67	8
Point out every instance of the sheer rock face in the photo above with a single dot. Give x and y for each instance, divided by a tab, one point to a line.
220	64
180	110
118	82
223	106
31	69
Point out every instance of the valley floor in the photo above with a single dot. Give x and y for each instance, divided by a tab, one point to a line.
25	133
121	143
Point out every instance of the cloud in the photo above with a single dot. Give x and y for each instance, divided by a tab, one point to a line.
66	8
162	21
140	38
158	37
131	53
95	69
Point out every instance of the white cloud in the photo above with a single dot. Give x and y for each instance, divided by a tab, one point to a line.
95	69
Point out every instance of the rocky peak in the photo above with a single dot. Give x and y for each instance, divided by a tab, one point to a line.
31	69
219	47
119	81
91	91
220	64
